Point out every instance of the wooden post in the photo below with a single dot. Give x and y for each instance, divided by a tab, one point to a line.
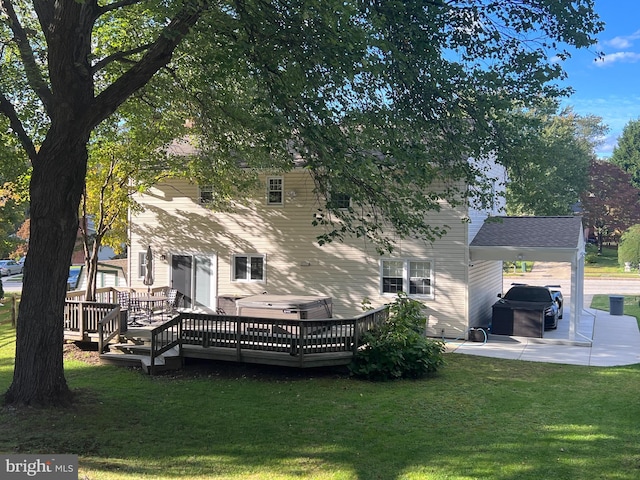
82	319
238	340
14	312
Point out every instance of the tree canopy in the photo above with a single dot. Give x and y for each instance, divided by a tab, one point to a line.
384	99
626	153
611	203
547	155
629	247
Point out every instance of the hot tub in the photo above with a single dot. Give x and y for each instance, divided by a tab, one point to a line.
296	307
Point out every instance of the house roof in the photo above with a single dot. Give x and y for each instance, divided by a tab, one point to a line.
557	239
119	263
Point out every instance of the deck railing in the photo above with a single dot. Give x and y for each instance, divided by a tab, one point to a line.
109	328
300	341
164	338
81	319
296	338
110	294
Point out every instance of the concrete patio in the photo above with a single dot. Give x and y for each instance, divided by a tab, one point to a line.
602	340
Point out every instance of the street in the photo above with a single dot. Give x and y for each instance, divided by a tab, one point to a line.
560	274
12	283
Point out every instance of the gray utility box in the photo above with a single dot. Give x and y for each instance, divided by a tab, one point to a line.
294	307
518	322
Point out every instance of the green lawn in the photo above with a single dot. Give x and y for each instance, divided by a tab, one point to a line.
606	264
631	305
479	418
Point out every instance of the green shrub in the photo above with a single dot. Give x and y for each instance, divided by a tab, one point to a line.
629	248
591	253
399	348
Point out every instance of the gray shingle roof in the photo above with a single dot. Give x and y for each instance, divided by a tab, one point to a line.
530	232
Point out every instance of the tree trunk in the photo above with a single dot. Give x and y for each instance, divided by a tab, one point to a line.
56	187
91	263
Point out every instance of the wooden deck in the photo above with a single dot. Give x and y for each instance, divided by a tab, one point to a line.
284	342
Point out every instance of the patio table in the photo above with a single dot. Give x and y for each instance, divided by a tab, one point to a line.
148	301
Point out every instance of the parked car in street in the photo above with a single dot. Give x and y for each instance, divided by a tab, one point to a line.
9	267
531	297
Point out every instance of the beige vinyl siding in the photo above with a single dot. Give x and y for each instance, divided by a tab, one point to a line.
173	222
485	283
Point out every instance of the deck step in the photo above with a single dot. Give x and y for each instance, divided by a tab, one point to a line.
169	360
123	359
132	348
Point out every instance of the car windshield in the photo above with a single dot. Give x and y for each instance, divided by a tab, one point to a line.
528	294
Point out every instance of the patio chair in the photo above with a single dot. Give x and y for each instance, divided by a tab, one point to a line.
171	304
131	306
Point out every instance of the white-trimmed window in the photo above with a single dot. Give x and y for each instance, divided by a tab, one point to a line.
142	264
275	190
205	194
412	276
248	268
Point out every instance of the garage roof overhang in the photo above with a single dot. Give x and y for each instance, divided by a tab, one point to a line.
550	239
513	253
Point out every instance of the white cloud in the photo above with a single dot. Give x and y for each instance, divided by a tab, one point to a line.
621	42
618	57
605	149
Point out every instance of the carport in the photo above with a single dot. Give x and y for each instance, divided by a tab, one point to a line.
544	239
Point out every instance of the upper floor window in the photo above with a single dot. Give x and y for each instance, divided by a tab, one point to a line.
414	277
340	200
275	190
248	268
206	194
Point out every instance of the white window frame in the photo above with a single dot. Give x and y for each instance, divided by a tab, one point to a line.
142	264
250	257
270	190
405	264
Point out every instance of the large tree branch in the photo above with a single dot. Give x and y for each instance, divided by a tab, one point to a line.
116	5
6	108
157	56
34	75
119	56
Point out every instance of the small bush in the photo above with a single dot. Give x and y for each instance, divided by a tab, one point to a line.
629	248
592	254
399	347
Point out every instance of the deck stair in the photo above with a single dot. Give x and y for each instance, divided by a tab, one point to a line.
135	351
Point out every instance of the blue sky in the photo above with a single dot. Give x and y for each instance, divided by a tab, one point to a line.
609	89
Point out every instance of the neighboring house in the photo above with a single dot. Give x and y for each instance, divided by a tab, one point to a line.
111	273
77	257
269	245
